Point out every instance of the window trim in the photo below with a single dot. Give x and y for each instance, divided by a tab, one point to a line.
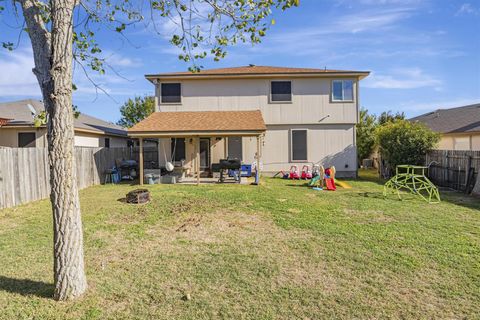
270	101
291	144
333	100
170	82
34	140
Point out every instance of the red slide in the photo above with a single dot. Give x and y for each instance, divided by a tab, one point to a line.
330	184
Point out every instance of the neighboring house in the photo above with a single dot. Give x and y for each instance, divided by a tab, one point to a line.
18	130
459	127
309	116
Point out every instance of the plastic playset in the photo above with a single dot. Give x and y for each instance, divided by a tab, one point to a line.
413	179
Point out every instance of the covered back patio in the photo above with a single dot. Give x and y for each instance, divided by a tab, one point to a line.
193	141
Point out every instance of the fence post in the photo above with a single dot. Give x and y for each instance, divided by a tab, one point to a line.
467	172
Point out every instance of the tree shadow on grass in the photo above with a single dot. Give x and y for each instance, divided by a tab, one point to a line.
460	199
26	287
405	197
375	195
300	184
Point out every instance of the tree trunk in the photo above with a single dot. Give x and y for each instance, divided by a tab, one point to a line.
53	67
70	280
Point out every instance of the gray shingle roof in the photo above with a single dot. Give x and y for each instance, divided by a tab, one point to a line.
454	120
20	113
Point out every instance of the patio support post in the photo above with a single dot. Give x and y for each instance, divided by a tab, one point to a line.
225	147
197	159
257	173
140	159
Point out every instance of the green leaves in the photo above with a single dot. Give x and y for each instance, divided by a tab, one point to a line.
205	28
365	134
87	49
218	25
7	45
135	110
404	142
40	119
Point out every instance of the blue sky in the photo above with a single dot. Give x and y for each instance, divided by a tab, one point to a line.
423	54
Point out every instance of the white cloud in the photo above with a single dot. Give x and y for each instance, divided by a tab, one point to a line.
466	9
117	60
371	20
367	20
16	76
336	35
407	78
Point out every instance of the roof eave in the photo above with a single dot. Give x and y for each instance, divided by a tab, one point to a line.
359	74
194	133
76	129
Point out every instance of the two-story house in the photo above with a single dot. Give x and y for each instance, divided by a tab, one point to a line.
309	116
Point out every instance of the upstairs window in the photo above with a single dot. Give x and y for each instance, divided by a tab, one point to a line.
171	92
342	90
281	91
299	145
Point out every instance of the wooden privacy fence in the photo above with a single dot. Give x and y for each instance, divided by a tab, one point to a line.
25	175
453	168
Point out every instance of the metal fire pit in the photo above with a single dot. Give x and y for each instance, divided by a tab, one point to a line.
138	196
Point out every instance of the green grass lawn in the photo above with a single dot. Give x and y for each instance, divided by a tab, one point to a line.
279	250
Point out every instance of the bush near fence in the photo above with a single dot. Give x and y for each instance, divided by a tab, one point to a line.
454	169
25	174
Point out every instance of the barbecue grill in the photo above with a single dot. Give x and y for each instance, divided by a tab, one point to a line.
128	169
228	164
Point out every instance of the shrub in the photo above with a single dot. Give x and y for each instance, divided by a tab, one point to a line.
365	135
404	142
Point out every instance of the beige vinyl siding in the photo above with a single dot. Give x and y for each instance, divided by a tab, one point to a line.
460	142
311	100
9	136
83	139
476	142
217	149
445	143
87	140
327	145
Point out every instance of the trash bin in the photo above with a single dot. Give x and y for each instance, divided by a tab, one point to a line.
246	170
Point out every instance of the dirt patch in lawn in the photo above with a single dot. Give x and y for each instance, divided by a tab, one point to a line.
276	247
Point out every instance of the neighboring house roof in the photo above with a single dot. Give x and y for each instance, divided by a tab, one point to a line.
3	121
256	71
455	120
22	113
201	121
